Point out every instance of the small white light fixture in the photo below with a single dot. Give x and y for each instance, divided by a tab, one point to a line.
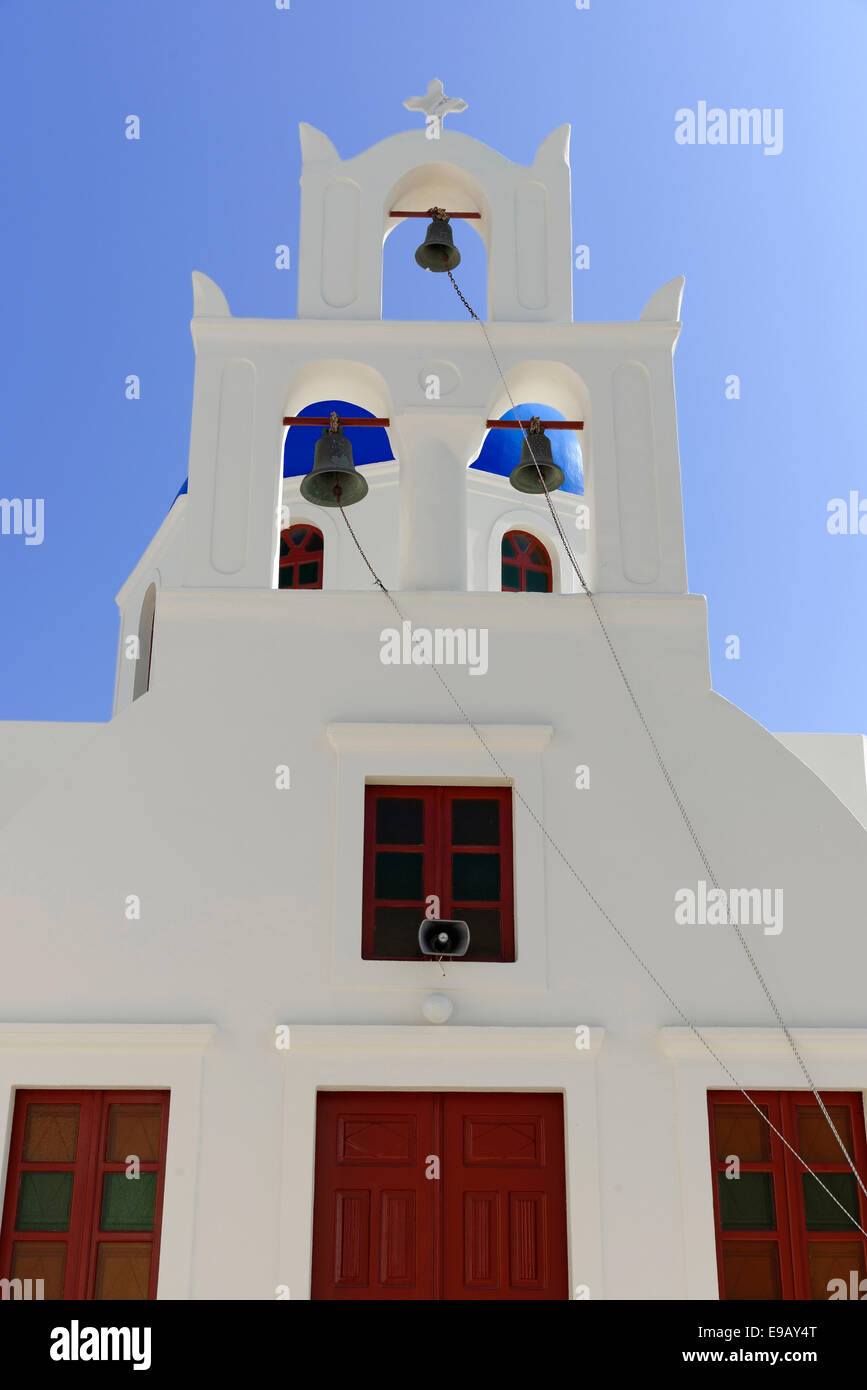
437	1008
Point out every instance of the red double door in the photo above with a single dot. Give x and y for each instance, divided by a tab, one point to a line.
439	1196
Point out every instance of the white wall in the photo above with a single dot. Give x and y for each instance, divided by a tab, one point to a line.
841	762
240	922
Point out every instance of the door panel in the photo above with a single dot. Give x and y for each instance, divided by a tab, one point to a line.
492	1225
374	1210
504	1196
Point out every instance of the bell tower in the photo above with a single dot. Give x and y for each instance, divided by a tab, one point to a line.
614	378
522	214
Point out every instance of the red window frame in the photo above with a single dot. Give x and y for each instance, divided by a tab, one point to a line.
791	1235
437	848
525	563
90	1165
296	539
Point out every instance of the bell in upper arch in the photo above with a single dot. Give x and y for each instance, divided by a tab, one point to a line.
536	458
438	250
333	481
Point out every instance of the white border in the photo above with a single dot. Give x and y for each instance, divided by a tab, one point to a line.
438	753
110	1056
431	1058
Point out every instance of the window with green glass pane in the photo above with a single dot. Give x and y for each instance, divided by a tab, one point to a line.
128	1202
67	1192
44	1202
817	1217
746	1203
821	1212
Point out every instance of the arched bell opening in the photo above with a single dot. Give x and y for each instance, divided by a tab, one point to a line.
369	444
305	449
504	451
410	292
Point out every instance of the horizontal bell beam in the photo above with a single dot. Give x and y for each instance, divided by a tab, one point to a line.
395	213
350	422
543	424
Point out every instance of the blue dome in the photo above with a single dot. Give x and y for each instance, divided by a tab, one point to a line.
501	451
368	445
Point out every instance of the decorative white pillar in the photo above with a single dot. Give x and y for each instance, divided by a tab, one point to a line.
433	450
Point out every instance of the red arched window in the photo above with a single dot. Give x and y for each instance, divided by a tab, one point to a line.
300	558
526	564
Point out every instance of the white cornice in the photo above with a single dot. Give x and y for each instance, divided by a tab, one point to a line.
764	1044
531	339
439	738
440	1039
107	1037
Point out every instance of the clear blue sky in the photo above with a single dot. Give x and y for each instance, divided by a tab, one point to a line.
100	235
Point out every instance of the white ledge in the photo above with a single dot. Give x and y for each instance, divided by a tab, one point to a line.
439	738
107	1037
764	1043
440	1039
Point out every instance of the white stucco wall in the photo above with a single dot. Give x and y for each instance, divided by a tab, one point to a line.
32	756
250	896
841	762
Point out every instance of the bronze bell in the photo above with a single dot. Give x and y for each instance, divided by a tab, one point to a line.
438	250
536	458
333	481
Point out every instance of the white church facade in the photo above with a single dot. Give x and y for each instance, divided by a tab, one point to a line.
226	1067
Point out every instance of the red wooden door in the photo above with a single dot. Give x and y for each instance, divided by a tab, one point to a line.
505	1196
455	1196
374	1210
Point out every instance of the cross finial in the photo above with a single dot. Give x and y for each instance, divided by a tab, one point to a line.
435	104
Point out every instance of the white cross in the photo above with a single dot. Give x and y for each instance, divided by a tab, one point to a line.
435	104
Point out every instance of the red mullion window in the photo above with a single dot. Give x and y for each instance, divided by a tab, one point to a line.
89	1165
301	558
439	866
100	1166
802	1238
456	907
79	1166
780	1235
428	847
525	564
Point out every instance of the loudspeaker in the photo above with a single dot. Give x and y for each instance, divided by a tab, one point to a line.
437	938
